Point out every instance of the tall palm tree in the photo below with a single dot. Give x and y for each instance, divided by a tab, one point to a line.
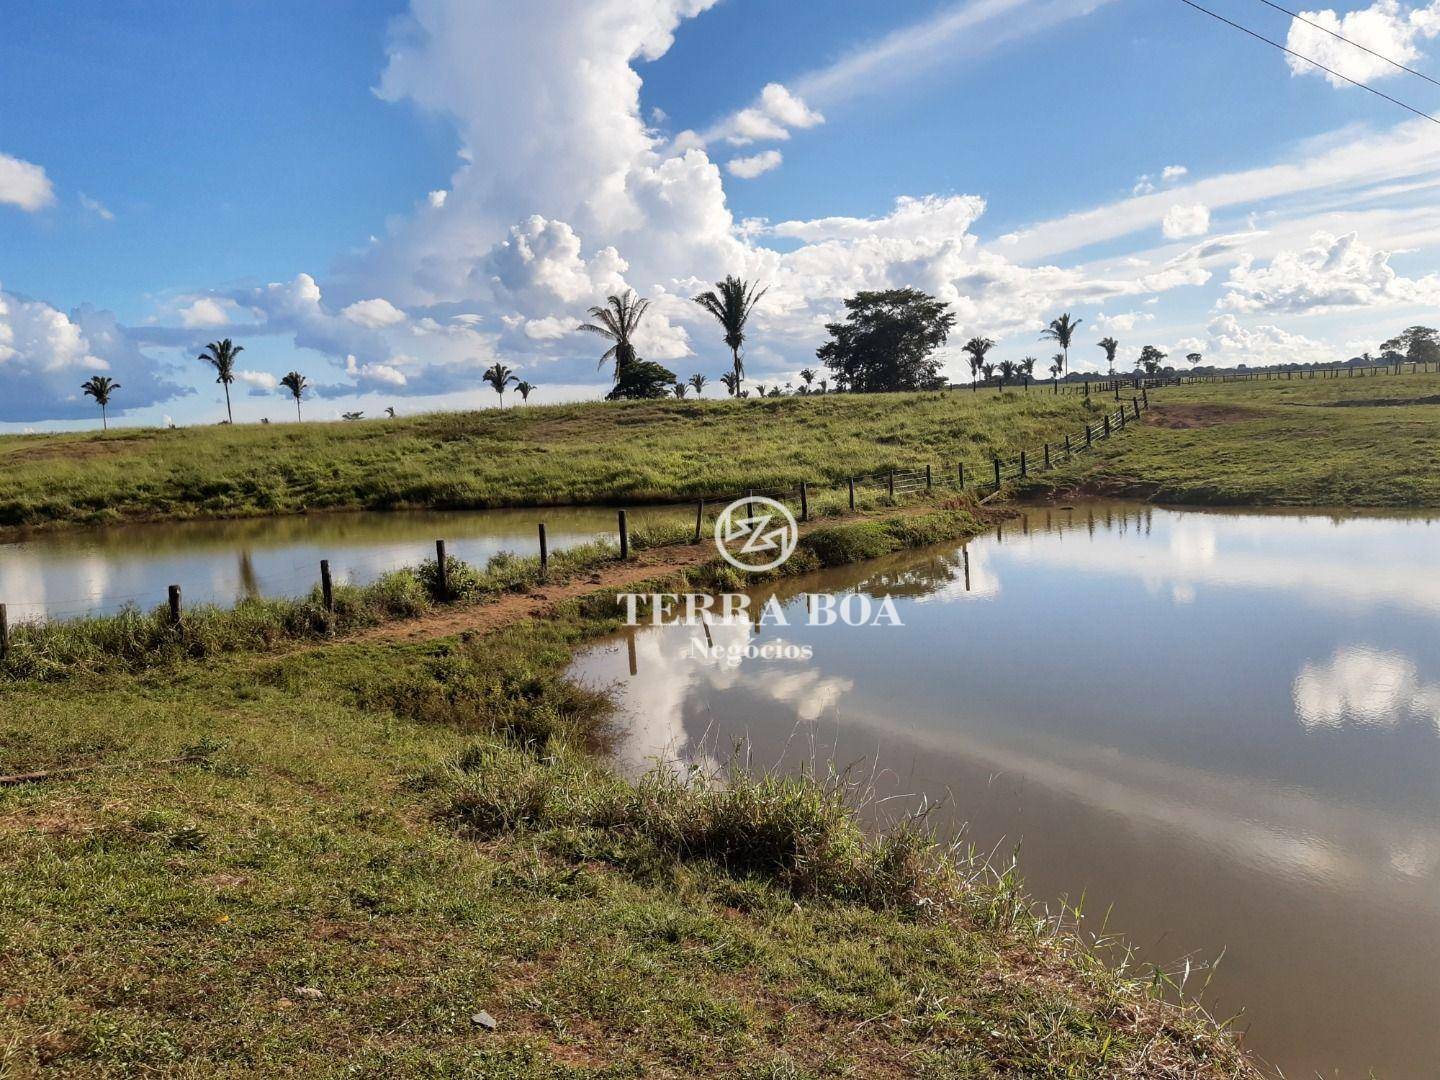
1026	369
617	322
698	382
100	387
221	356
499	376
1061	331
1111	347
731	302
523	388
808	375
1057	366
1008	370
987	369
977	347
732	383
296	384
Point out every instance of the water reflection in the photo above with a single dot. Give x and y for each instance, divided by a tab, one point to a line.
1194	717
86	571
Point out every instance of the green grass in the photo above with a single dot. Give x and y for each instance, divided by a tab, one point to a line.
417	833
1321	442
564	454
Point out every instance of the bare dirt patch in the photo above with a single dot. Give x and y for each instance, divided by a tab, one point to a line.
1196	416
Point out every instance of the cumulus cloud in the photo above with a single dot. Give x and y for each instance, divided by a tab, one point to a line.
1364	687
773	116
374	314
1183	221
1229	343
260	382
1121	322
1334	272
24	184
747	168
1387	27
204	311
1145	183
45	354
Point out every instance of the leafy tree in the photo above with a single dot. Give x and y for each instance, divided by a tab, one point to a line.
296	384
1151	359
698	382
732	382
499	376
888	341
731	302
100	387
524	388
1061	331
977	347
221	356
680	389
617	322
1418	344
1111	347
643	379
1193	359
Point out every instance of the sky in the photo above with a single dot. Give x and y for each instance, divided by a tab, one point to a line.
389	197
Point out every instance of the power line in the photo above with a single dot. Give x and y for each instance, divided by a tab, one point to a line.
1308	60
1342	37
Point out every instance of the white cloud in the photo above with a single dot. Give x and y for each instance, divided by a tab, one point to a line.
374	314
204	311
437	198
1229	343
1188	220
1173	172
747	168
1121	323
384	374
96	207
1386	27
258	380
550	328
775	113
24	184
1365	687
1334	272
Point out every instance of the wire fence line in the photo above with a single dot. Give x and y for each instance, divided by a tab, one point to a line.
987	479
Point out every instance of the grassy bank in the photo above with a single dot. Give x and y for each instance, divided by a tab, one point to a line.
1369	442
597	452
365	846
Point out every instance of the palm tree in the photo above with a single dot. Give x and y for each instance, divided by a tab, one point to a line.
732	383
390	411
1057	365
759	389
296	384
499	376
1060	331
1008	370
221	356
731	302
100	387
808	375
680	389
523	388
824	386
987	369
698	382
977	347
617	322
1111	347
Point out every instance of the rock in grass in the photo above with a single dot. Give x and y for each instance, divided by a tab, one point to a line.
311	992
485	1020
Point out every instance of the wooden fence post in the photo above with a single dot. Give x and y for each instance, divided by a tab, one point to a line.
699	517
174	597
960	474
852	493
1022	464
1145	398
544	554
1047	456
1068	452
997	474
1107	426
1088	439
1136	402
4	633
804	501
624	538
929	481
327	591
442	571
892	483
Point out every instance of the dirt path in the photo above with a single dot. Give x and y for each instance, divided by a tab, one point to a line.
643	566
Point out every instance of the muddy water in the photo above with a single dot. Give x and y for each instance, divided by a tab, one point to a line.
93	571
1222	727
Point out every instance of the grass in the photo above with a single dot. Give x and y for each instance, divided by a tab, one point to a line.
1347	442
564	454
376	842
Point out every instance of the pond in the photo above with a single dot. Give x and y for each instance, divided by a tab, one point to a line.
1221	728
95	571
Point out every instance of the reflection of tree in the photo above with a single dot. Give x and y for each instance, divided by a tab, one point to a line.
249	583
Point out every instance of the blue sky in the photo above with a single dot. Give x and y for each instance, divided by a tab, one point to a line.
390	199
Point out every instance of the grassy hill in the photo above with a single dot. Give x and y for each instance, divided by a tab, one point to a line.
537	455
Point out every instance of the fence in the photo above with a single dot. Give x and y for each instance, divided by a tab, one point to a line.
895	483
1116	383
